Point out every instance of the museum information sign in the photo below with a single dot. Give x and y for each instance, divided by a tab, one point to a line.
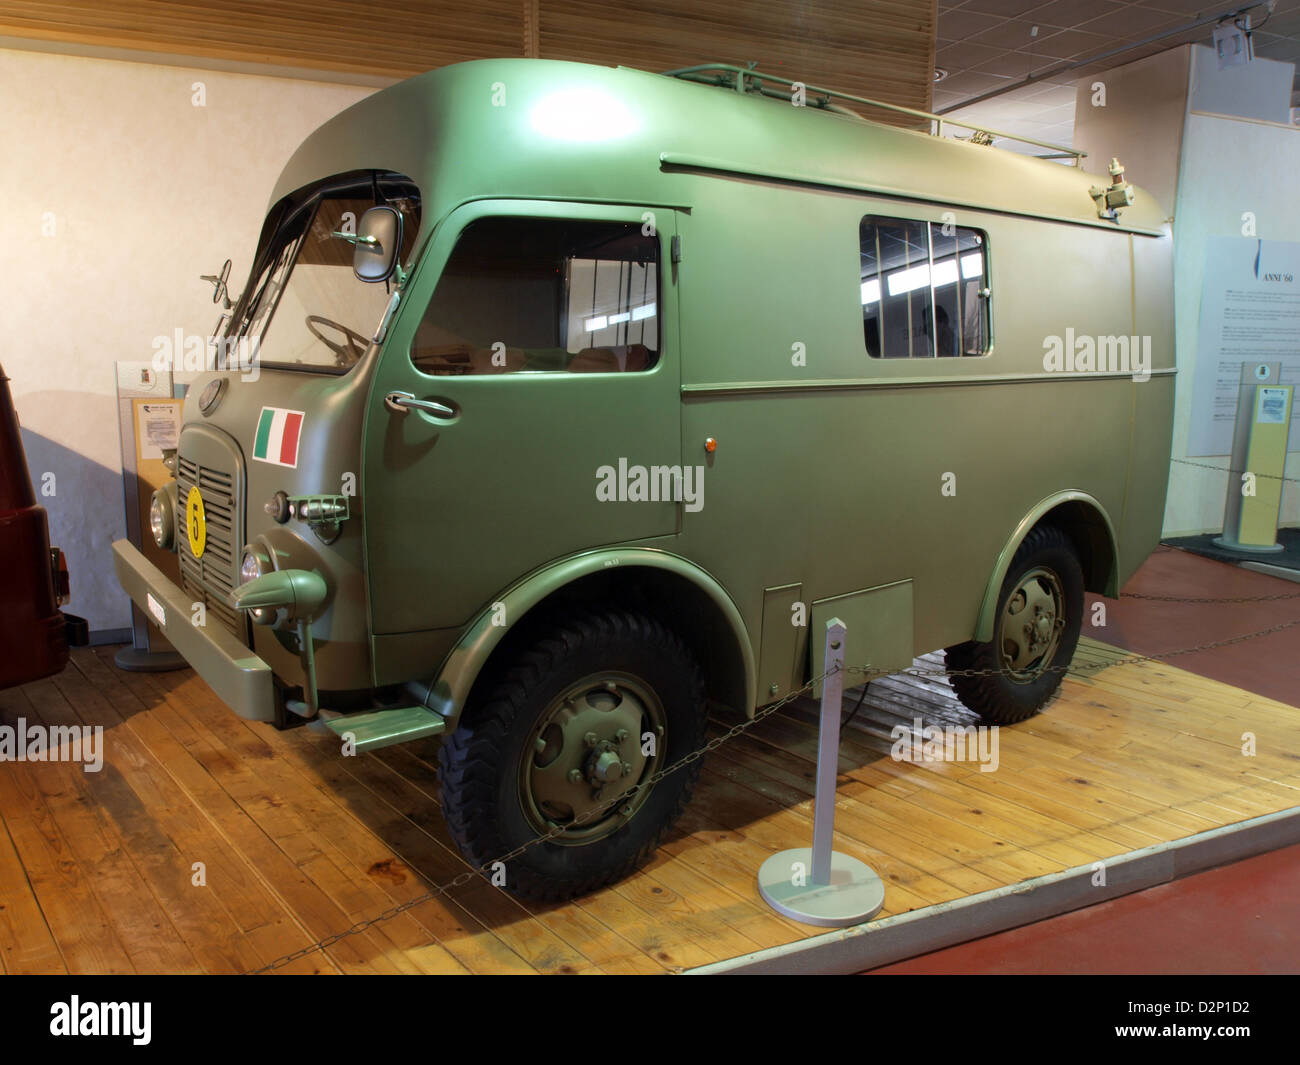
1250	312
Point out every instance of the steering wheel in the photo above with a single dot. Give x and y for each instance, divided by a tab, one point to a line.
349	352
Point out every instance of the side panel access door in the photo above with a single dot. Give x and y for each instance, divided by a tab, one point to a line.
548	333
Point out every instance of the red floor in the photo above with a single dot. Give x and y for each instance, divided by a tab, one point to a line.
1243	918
1268	665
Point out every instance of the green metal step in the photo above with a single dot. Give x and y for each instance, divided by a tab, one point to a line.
383	728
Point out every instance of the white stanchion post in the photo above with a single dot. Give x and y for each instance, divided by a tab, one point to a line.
819	885
828	753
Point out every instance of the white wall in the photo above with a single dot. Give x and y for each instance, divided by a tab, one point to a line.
146	191
1229	166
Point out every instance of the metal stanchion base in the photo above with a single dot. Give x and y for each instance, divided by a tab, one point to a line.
134	660
1249	549
855	893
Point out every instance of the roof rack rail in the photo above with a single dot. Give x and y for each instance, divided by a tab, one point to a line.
747	79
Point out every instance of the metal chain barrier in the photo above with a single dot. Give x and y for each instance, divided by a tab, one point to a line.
1207	599
1229	469
487	869
1237	599
1085	668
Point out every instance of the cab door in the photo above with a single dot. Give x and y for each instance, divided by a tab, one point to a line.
530	374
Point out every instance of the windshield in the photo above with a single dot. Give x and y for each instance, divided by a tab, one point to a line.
304	308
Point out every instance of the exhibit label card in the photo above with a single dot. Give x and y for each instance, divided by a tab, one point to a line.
1250	310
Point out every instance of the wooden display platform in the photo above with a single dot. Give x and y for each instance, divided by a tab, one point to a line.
98	870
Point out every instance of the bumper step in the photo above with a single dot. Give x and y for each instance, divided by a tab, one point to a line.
383	728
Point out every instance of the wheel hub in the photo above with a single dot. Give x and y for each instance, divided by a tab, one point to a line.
586	752
1043	627
1032	624
605	765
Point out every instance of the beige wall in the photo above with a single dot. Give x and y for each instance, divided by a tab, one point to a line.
146	191
1139	120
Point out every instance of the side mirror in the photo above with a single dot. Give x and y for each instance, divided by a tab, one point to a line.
376	244
220	294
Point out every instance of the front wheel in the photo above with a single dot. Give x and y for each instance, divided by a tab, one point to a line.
599	703
1040	612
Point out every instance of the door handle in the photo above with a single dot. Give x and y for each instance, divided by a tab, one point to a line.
404	401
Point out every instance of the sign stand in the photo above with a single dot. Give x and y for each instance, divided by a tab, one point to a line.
1259	443
147	414
817	885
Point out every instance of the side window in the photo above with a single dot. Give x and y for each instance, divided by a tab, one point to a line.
531	295
921	289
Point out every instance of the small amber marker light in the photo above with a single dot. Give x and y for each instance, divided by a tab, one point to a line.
710	445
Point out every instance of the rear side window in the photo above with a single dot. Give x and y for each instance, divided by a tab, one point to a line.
924	289
529	295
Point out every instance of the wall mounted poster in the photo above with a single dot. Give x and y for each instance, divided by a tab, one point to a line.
157	427
1250	310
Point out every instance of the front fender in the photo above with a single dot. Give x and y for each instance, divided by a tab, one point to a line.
456	676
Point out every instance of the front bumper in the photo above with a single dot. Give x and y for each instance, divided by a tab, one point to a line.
241	680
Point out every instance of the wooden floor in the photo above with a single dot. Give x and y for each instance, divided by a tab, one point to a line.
97	870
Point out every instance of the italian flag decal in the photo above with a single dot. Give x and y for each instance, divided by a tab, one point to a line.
278	432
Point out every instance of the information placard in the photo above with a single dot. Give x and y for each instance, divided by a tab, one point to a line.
1250	312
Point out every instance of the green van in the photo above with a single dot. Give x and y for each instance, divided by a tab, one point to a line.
572	399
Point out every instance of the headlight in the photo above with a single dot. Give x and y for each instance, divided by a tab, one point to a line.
250	568
160	521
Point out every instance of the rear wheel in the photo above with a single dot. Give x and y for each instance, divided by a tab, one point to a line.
1039	615
600	702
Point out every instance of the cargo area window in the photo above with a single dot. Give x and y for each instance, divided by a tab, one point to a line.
530	295
924	289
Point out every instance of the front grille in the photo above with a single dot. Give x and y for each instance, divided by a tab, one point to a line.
211	579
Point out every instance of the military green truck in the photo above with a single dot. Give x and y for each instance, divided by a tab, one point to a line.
579	398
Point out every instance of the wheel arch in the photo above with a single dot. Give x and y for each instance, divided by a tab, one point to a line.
685	596
1085	521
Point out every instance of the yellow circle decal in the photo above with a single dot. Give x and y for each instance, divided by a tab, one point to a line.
196	524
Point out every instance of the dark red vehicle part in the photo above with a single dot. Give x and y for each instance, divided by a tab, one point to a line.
33	640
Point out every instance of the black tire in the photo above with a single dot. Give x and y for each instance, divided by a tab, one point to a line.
488	808
1004	699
